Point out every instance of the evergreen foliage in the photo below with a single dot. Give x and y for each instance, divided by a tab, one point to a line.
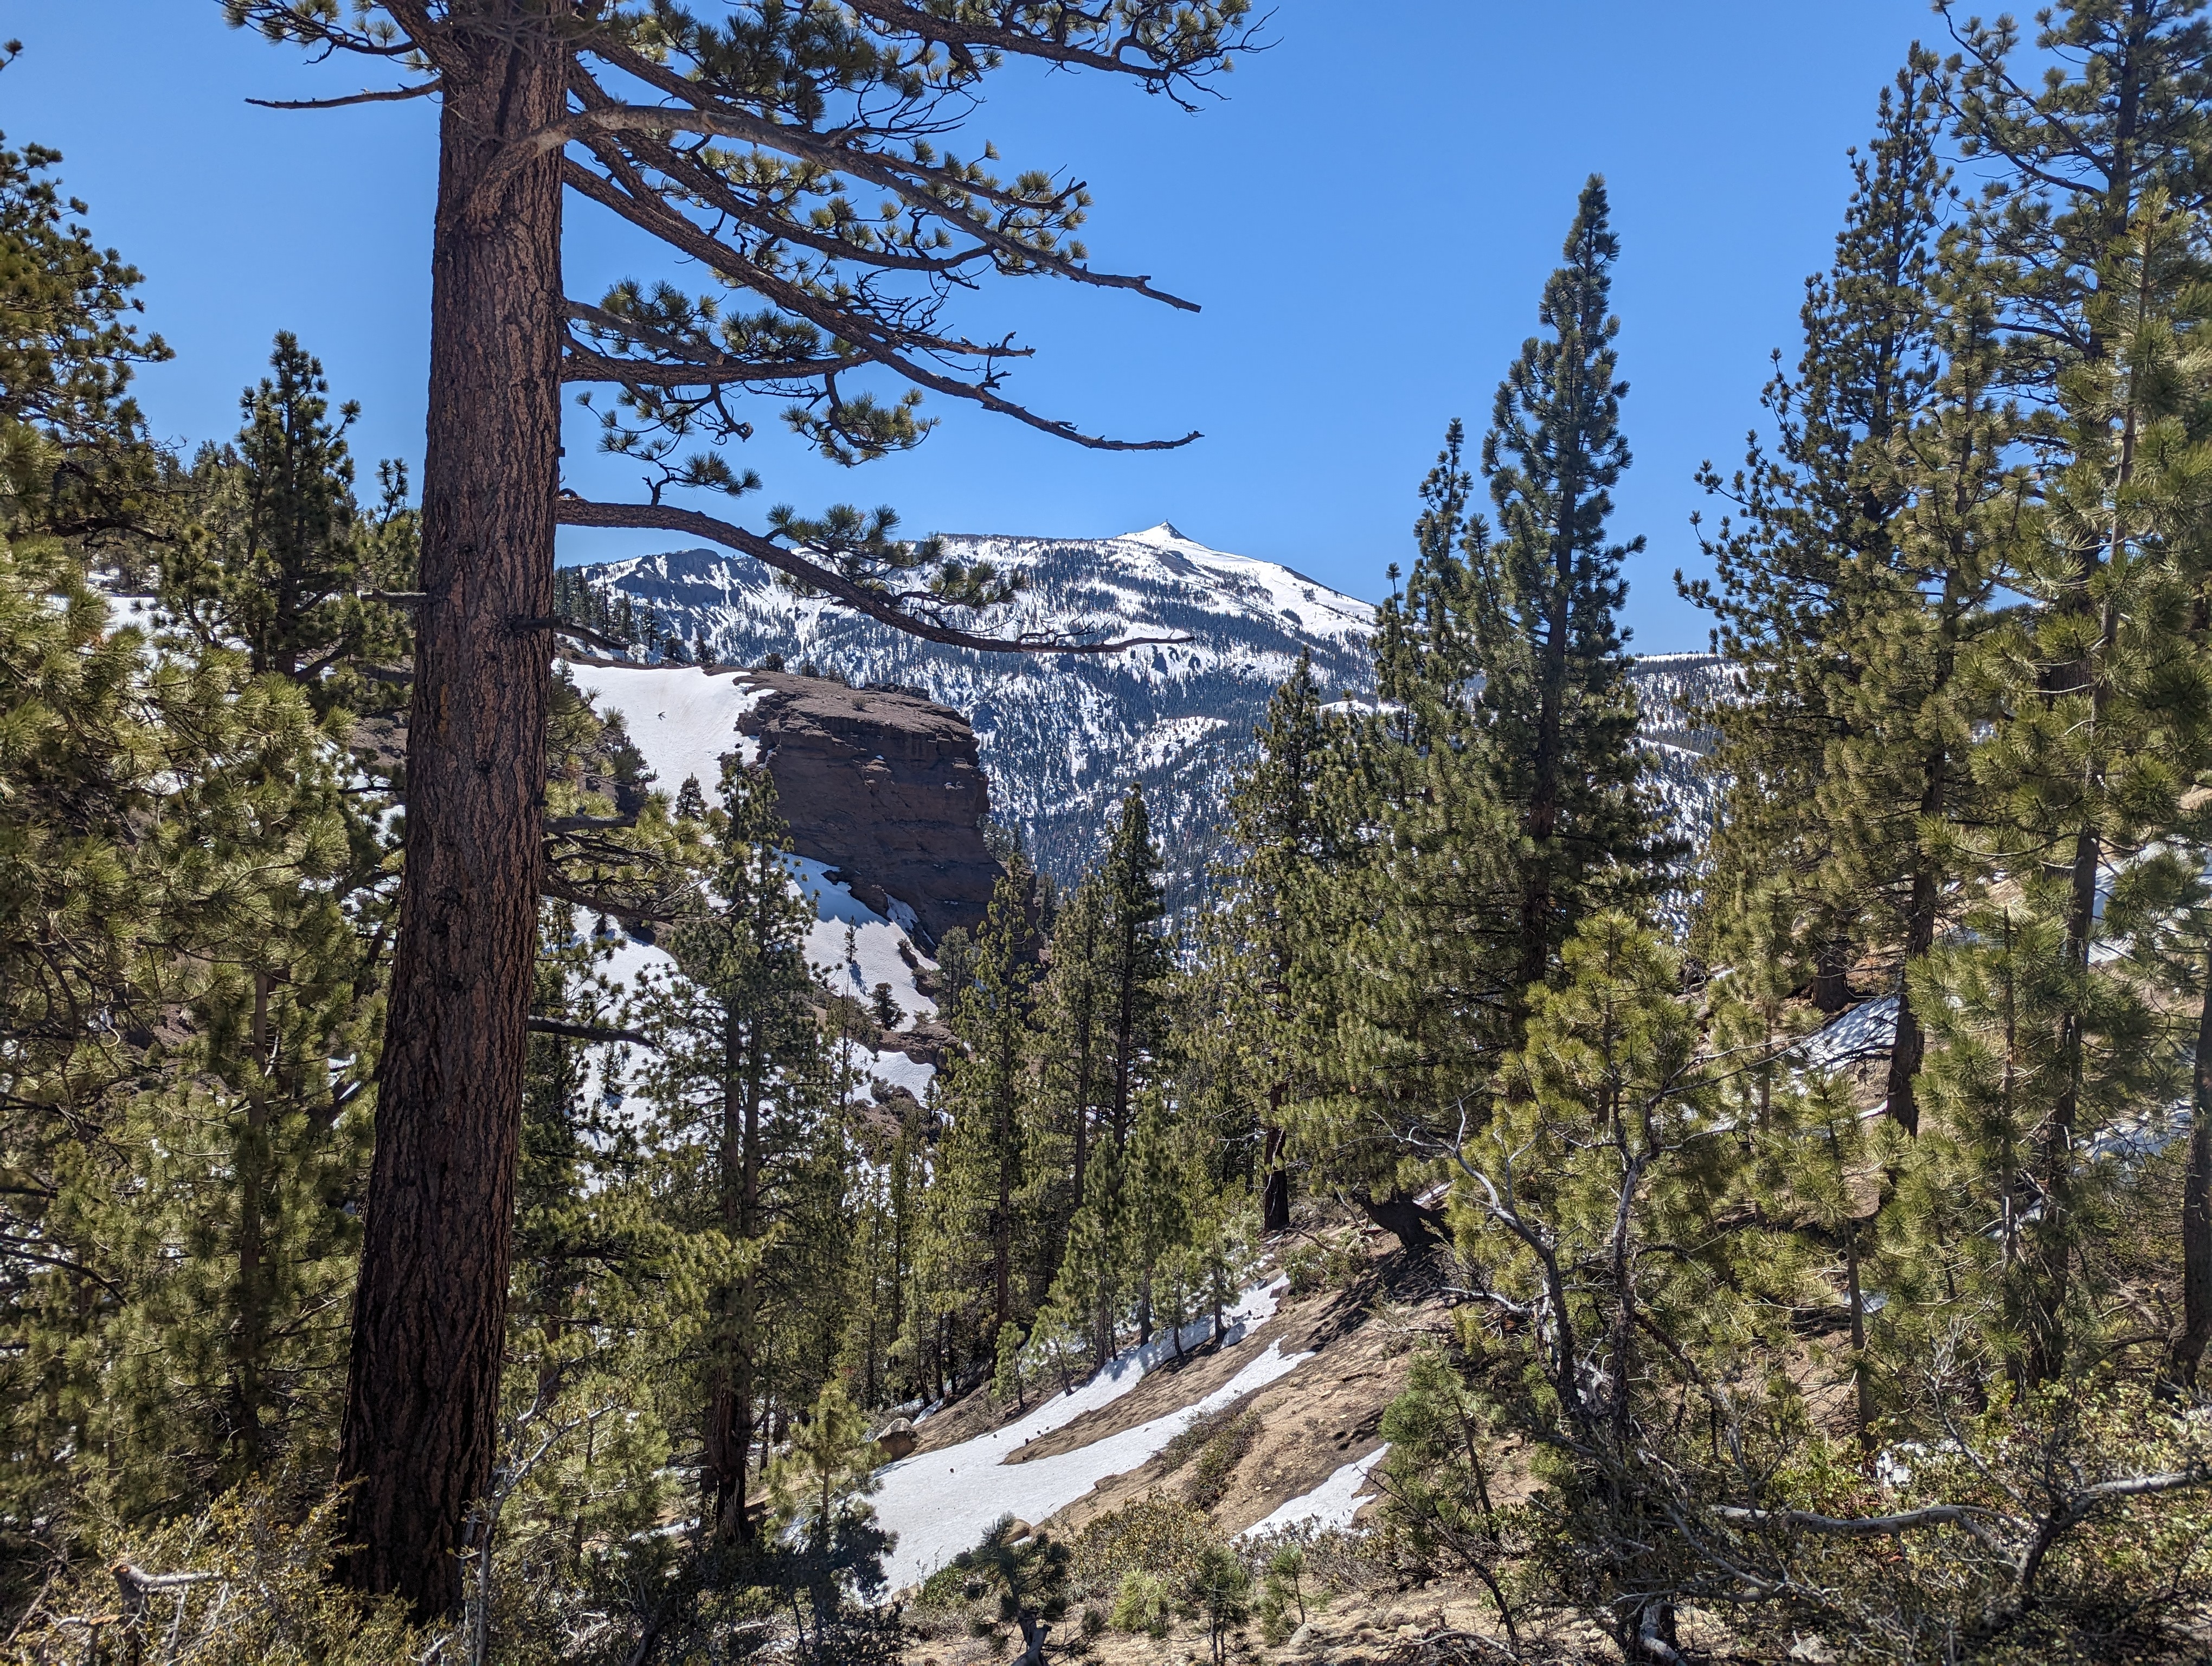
1558	716
1881	1340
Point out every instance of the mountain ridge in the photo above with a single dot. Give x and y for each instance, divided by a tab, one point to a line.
1062	737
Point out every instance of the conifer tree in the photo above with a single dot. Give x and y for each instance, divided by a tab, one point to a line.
690	801
1505	779
1160	1179
820	1488
987	1093
1997	1214
1583	1201
737	1041
74	459
1811	578
1134	955
1417	916
2105	715
1128	970
1073	1049
286	555
1271	943
1559	717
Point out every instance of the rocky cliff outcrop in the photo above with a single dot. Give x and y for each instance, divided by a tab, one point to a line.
884	786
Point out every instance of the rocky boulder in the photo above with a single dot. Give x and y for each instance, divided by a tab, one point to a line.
885	787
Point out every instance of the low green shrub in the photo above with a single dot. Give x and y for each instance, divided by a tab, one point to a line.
1142	1604
1158	1535
1216	1465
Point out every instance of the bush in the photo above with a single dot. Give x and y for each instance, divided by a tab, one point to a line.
263	1596
1306	1265
1219	1442
1141	1604
1216	1462
1313	1265
1158	1535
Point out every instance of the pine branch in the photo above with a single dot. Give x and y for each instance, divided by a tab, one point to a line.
683	362
968	30
647	211
563	891
646	122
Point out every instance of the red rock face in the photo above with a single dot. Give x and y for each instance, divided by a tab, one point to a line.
885	788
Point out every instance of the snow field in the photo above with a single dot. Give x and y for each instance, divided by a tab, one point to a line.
875	956
875	959
1314	606
939	1503
1331	1505
682	719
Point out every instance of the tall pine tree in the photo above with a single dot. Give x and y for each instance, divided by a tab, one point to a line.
1558	716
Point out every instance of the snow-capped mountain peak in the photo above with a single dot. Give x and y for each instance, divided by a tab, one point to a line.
1061	736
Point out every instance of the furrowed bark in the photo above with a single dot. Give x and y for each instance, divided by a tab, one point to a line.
430	1310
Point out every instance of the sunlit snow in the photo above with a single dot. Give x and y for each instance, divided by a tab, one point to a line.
682	719
939	1503
1331	1505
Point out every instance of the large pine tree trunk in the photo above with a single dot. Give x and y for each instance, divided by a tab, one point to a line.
422	1388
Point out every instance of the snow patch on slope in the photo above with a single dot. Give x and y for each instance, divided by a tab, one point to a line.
682	719
940	1502
871	957
874	958
1331	1505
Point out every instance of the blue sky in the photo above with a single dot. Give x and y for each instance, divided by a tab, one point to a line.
1367	218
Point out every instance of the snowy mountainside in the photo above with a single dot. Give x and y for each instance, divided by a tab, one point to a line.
1062	736
684	721
1669	688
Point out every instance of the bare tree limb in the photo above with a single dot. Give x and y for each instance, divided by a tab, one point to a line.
1859	1527
564	627
587	1032
389	96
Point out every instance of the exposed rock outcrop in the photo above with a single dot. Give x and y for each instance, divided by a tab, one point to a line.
885	787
